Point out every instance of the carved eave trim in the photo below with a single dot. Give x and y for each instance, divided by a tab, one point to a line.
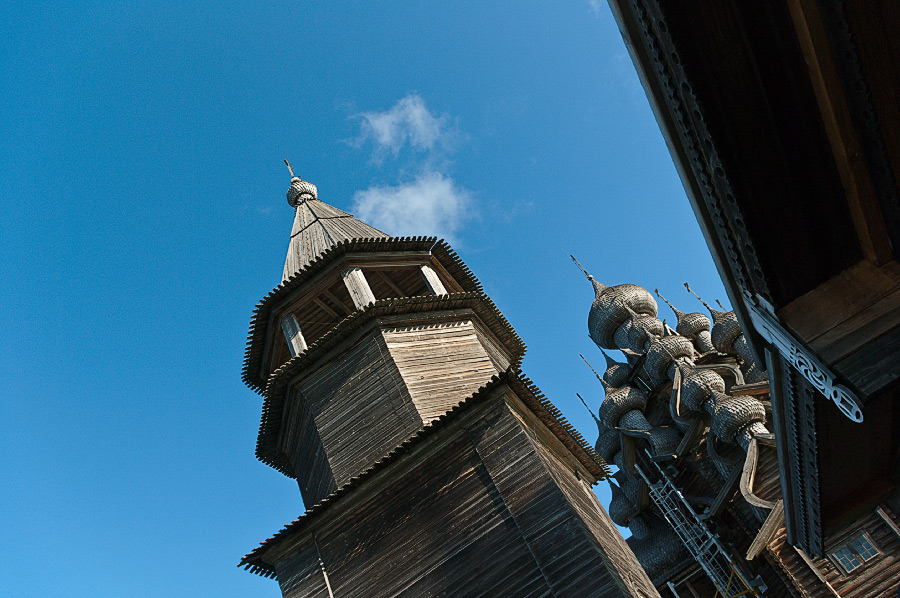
804	360
256	561
279	382
680	117
260	320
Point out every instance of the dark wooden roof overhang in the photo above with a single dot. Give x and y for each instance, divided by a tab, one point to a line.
429	306
512	379
262	313
781	120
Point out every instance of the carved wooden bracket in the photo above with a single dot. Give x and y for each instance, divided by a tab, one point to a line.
810	367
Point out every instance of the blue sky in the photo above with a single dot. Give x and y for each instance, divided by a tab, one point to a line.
144	215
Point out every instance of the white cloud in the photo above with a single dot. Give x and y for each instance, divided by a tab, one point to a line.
432	204
595	7
407	122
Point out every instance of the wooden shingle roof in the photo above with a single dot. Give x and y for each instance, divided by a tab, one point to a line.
318	227
260	319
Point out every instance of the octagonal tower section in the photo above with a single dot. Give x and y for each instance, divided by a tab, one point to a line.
366	341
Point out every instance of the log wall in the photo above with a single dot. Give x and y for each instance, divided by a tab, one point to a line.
822	578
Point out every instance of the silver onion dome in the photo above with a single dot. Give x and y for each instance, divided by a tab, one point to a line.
613	306
301	191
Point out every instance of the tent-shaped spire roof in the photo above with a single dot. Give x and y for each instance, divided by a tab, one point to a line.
318	227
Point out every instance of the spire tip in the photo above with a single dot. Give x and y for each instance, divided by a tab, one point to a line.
687	286
589	277
291	170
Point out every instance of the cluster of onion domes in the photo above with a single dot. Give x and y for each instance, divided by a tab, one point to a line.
728	337
695	326
624	317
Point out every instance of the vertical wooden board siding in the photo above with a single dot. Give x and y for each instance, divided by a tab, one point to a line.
300	440
477	516
300	575
429	533
579	548
361	410
495	351
620	561
441	364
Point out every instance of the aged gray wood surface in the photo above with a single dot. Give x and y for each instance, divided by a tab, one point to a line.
483	513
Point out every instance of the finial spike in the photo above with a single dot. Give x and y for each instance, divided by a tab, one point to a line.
599	377
678	313
609	360
291	170
698	297
589	277
588	408
720	305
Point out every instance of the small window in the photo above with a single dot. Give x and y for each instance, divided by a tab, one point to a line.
864	548
847	559
855	553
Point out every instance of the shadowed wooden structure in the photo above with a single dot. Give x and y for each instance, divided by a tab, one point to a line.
782	119
430	466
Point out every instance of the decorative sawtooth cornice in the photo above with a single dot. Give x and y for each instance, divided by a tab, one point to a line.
277	386
455	266
512	377
260	318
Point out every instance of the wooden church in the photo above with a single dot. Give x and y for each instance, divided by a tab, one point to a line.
428	464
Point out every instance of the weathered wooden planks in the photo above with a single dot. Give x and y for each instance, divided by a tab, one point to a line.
479	513
355	409
822	578
441	363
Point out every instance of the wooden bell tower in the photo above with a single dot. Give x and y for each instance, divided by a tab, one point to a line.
428	464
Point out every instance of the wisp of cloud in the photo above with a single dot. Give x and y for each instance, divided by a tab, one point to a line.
432	204
406	122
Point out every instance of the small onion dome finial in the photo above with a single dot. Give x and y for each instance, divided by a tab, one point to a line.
610	362
678	312
299	190
598	286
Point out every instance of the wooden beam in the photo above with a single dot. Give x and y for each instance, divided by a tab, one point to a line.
748	475
325	308
725	494
400	292
845	145
431	279
293	336
816	571
773	523
888	520
336	300
358	287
